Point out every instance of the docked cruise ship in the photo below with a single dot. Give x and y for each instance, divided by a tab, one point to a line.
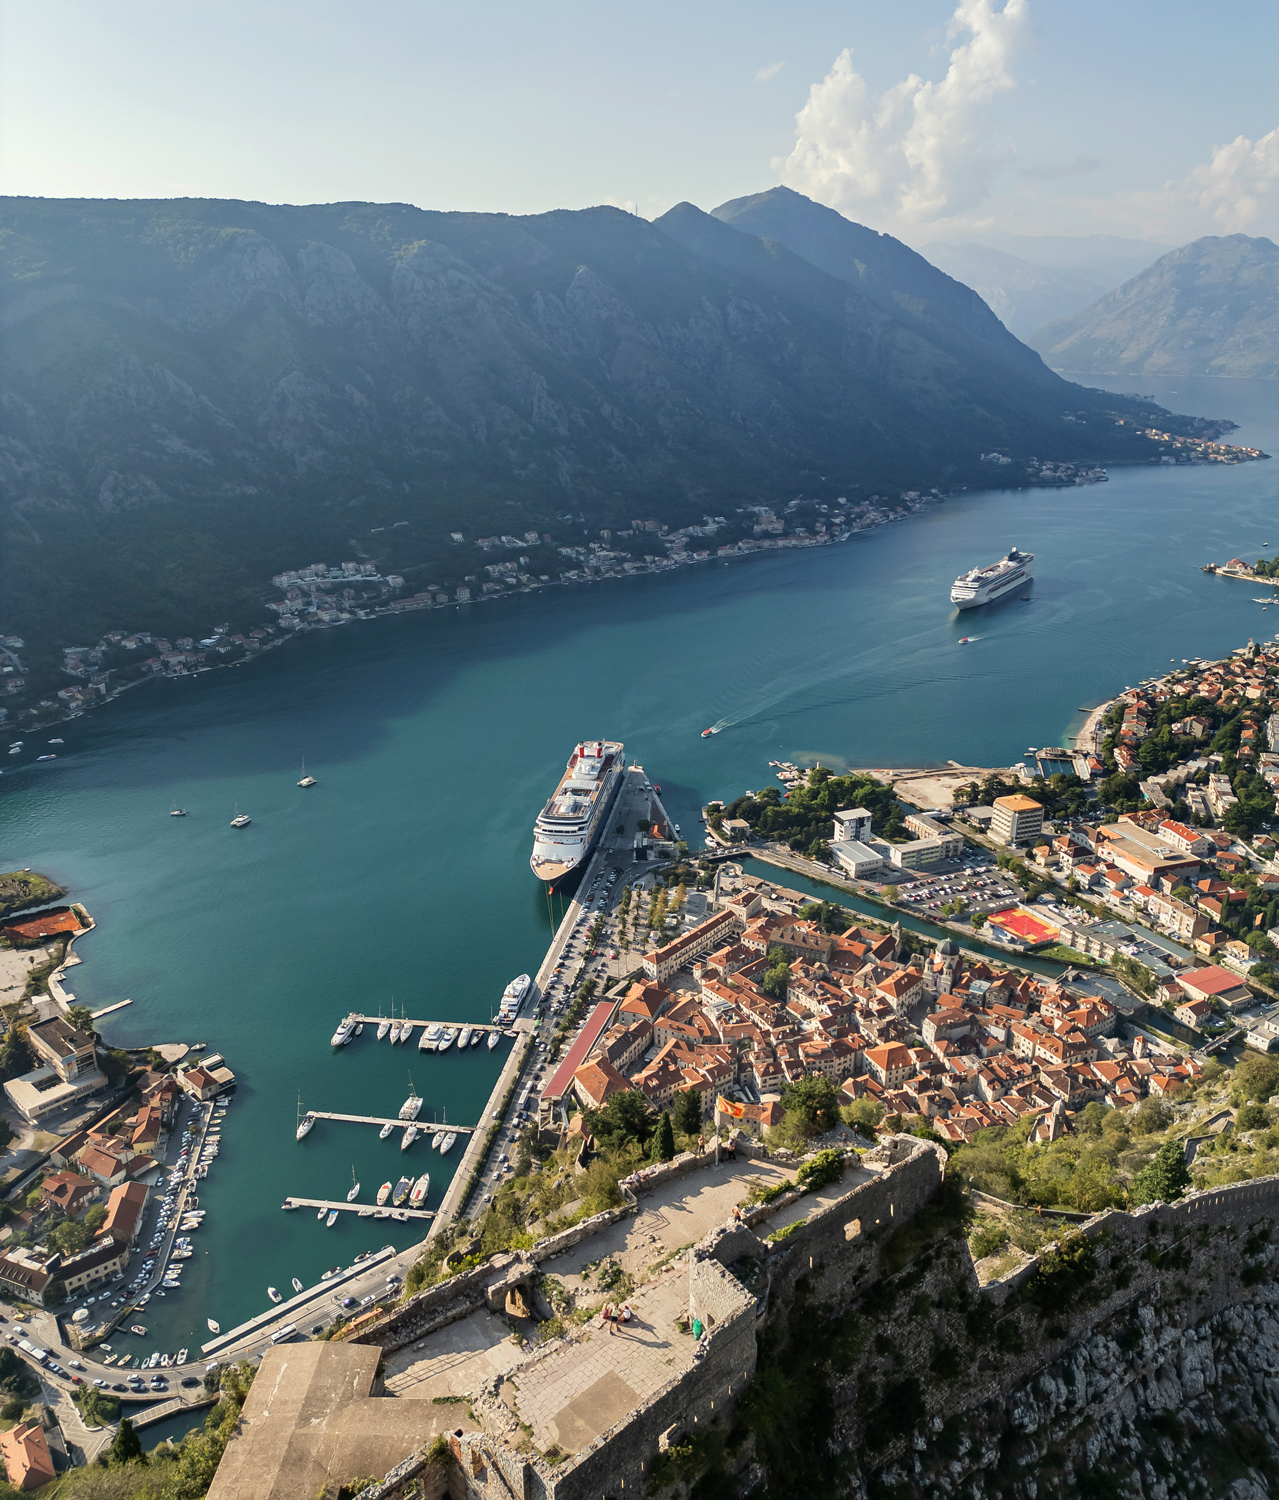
985	585
569	825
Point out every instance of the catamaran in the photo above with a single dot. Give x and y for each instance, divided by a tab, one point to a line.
426	1042
241	820
306	780
412	1106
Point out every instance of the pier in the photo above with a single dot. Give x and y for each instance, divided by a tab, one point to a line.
172	1408
429	1128
353	1208
455	1026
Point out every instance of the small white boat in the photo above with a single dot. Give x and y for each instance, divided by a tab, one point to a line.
382	1213
297	1285
178	812
365	1213
273	1294
410	1135
355	1188
385	1131
400	1216
332	1219
54	757
446	1145
58	741
464	1039
182	1357
477	1036
492	1040
359	1028
383	1193
321	1213
446	1041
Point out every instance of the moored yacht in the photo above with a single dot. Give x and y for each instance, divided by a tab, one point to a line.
446	1145
345	1031
383	1026
493	1035
464	1039
383	1193
426	1042
410	1135
420	1189
401	1190
446	1041
305	1124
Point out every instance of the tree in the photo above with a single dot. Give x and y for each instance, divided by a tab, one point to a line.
16	1056
687	1118
1255	1076
125	1446
81	1017
70	1236
777	975
626	1116
814	1101
15	1378
663	1139
864	1114
1165	1178
96	1217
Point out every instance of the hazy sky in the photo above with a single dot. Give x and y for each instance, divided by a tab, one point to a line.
1150	118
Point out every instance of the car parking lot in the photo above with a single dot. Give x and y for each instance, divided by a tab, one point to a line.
979	883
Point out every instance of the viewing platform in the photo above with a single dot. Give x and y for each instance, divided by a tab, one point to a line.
354	1208
428	1127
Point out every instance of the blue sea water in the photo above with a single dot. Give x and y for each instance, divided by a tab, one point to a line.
402	878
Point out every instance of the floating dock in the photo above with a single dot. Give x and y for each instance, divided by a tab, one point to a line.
423	1129
353	1208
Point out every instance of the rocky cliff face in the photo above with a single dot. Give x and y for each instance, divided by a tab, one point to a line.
1209	308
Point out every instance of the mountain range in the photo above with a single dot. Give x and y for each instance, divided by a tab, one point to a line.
1208	308
198	393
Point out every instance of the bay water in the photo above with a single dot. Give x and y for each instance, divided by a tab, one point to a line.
402	879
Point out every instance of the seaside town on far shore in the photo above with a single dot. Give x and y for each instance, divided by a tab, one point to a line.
321	596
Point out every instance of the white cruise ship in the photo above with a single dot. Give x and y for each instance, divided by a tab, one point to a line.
985	585
569	825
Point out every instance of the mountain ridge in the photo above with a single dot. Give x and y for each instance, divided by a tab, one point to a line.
196	393
1207	308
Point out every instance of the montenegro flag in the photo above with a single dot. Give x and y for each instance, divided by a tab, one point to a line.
727	1107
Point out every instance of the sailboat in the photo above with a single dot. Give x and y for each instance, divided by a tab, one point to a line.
355	1188
383	1026
306	780
178	812
304	1125
241	820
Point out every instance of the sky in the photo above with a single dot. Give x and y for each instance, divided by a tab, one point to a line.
1152	119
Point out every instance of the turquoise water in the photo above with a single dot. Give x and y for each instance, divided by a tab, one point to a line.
403	875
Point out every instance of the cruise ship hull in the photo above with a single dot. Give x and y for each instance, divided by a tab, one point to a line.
965	595
561	845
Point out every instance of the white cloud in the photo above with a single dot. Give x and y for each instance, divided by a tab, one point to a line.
1239	183
771	71
918	152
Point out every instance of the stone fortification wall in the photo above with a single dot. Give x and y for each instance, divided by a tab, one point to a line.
619	1460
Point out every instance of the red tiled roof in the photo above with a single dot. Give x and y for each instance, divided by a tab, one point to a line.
562	1078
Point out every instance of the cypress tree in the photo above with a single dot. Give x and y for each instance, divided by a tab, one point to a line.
663	1139
126	1445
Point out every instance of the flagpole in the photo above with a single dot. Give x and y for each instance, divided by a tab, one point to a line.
717	1129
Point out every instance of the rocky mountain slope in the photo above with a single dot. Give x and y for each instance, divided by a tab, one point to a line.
1209	308
197	393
